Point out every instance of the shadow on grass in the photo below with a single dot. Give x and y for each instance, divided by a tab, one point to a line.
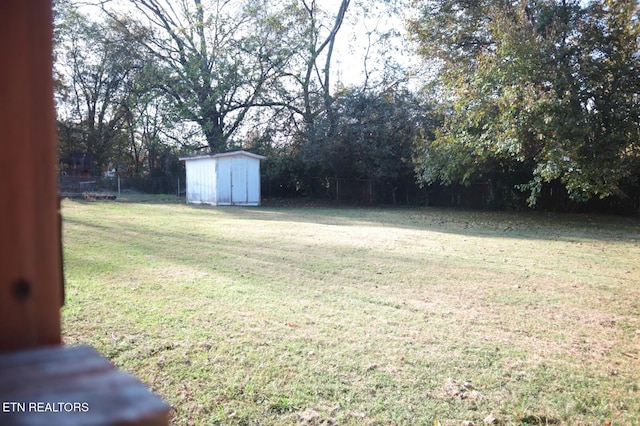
143	240
517	225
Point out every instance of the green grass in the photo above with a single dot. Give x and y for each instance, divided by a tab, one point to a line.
348	316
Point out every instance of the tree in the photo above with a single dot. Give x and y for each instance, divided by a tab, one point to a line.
306	92
606	152
374	136
302	101
216	59
543	89
94	67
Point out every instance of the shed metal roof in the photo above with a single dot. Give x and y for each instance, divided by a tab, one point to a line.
225	154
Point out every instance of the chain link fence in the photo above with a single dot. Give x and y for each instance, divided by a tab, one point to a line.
361	191
481	195
73	185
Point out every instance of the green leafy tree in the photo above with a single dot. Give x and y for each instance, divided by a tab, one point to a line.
375	134
546	90
94	67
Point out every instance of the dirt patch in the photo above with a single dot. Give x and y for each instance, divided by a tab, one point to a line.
313	418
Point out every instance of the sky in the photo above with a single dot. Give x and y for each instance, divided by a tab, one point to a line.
353	40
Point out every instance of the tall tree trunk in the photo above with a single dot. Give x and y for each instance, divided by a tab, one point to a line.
213	129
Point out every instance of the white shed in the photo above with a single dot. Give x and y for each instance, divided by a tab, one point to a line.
226	179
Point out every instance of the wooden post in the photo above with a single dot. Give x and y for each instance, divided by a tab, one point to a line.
41	381
30	255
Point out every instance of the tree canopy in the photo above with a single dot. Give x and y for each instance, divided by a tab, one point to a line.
544	88
519	95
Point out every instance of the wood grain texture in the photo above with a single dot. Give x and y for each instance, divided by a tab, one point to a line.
30	254
72	386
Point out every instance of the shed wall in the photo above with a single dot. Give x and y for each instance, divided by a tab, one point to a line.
223	168
253	181
239	189
238	181
223	180
201	178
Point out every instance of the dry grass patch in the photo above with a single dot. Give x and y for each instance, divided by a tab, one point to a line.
284	316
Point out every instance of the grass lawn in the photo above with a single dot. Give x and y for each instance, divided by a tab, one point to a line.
349	316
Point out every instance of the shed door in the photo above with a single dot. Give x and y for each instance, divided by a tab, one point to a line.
239	182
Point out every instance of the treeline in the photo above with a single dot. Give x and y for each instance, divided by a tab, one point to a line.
527	103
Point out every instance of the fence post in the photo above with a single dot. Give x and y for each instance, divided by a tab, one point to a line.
370	191
178	187
118	186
